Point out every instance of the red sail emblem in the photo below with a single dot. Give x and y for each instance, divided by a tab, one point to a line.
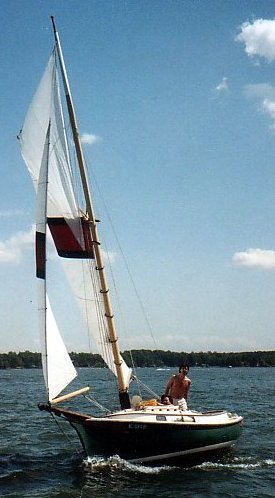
65	241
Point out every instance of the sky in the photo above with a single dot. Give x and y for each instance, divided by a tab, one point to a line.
176	106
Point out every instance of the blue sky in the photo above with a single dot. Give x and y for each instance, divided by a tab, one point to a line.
177	101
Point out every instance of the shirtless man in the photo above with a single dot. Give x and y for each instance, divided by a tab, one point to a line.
178	387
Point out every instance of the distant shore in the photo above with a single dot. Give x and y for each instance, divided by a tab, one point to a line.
149	358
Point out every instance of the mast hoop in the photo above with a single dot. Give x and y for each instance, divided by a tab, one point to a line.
112	341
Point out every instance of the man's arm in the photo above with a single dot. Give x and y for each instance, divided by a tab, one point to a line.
169	384
187	386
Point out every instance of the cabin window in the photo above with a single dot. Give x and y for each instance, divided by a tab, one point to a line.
161	418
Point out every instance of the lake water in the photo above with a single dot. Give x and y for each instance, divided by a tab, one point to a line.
37	460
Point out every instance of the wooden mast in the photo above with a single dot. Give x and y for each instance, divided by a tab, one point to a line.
122	382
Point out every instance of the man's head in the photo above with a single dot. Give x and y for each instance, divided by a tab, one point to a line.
184	368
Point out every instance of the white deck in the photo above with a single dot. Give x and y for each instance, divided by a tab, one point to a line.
163	414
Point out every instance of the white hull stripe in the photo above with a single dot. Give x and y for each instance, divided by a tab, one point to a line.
192	451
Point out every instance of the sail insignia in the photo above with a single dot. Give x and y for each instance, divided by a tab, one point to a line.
66	243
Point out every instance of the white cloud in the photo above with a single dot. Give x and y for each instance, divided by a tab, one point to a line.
268	107
89	138
255	258
265	92
222	86
11	250
260	91
258	38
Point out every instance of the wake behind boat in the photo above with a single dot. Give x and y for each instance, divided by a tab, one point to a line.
140	431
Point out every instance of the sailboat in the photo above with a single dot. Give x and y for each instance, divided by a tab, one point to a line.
141	431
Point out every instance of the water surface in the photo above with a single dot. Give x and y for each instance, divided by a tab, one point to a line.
39	458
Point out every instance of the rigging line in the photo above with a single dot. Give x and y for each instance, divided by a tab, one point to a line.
66	127
104	333
147	388
126	263
75	172
136	291
98	305
71	153
96	403
87	308
133	364
97	300
64	433
86	305
123	255
121	314
102	328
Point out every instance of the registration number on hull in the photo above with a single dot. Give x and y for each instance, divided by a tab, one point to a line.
139	427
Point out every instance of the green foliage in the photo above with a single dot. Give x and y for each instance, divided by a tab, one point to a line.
148	358
87	360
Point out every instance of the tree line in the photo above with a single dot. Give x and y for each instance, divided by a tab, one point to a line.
149	358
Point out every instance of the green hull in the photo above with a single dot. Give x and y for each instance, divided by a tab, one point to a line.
154	434
151	442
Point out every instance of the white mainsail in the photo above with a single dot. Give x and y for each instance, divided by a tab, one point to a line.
63	211
58	369
46	107
83	280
